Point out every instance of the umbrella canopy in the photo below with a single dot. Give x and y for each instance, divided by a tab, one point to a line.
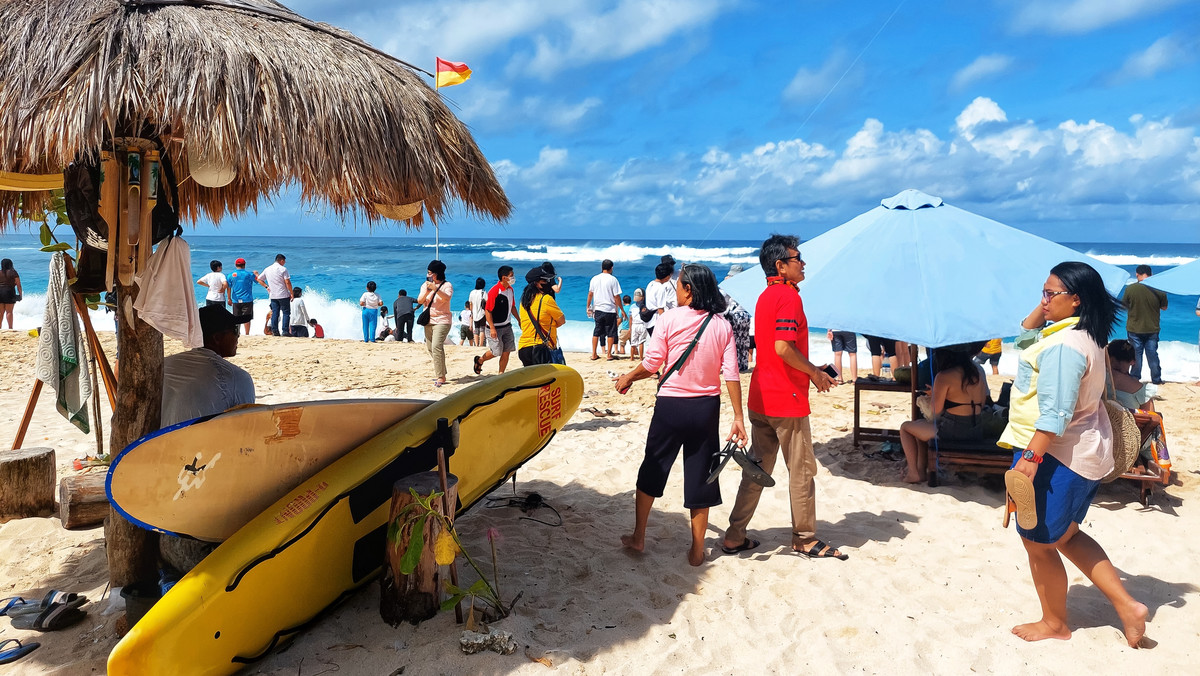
234	85
1183	280
922	271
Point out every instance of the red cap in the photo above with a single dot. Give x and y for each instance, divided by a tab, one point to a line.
240	261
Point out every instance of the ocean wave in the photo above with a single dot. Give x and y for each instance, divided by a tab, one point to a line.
1133	259
630	253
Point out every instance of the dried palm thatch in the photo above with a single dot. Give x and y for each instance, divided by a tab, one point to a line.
284	102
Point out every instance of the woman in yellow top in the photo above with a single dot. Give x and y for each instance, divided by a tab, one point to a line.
537	304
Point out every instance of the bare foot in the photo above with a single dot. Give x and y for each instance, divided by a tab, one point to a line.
1134	619
1038	631
630	543
910	479
696	553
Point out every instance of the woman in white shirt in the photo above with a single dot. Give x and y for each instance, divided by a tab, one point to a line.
370	303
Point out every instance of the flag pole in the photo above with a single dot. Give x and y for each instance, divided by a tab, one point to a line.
437	231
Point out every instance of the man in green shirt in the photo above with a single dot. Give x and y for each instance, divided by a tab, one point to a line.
1143	305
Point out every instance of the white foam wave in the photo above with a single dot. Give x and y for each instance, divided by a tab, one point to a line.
630	253
1152	261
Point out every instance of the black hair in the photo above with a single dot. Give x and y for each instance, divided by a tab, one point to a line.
958	357
663	270
626	299
438	269
606	265
701	281
214	265
774	249
279	258
371	287
1098	309
296	291
6	264
1121	350
504	271
480	283
403	292
532	290
312	321
1143	269
548	267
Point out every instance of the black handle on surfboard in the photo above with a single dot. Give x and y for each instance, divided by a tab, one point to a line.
447	435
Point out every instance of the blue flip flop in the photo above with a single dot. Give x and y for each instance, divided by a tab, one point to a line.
15	603
13	654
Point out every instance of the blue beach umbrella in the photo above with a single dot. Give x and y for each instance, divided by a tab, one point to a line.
1183	280
922	271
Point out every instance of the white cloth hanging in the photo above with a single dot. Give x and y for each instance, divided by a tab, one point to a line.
60	362
165	300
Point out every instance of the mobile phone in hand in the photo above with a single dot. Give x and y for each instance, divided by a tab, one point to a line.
830	371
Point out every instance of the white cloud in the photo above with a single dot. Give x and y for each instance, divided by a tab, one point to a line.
497	109
986	66
1082	16
1166	53
978	112
812	84
1015	171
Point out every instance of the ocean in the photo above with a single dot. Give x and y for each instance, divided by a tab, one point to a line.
334	271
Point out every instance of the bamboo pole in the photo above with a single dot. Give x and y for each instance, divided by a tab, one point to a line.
33	397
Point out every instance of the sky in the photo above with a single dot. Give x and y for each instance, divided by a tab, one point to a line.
1077	120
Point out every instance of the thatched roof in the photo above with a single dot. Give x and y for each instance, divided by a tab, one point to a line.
282	102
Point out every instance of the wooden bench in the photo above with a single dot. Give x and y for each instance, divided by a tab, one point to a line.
878	433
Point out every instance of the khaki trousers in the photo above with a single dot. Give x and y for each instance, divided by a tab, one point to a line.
767	436
435	343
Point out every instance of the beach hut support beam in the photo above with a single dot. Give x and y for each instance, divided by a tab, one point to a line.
133	551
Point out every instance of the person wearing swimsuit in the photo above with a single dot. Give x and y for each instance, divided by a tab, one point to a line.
959	391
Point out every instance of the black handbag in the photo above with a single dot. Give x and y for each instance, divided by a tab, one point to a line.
423	318
547	352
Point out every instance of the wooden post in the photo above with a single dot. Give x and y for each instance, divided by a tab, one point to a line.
26	483
133	551
413	598
82	502
25	419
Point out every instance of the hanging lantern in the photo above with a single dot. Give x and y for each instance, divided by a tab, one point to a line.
210	172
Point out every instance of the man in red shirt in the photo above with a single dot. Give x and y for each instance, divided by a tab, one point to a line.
779	402
498	312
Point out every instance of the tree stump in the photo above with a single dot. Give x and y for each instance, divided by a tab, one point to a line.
413	598
26	483
82	502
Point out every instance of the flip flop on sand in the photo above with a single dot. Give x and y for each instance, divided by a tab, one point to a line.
57	616
478	366
1020	491
595	411
820	550
15	603
746	546
13	654
52	597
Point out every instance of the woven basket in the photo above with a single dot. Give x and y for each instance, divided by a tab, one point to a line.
1127	439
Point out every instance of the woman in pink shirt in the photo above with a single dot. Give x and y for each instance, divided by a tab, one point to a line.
436	292
687	413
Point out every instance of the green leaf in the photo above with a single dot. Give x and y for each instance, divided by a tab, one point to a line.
45	235
61	246
92	298
452	601
412	556
393	531
480	588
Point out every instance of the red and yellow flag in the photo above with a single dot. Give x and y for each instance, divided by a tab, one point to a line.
451	73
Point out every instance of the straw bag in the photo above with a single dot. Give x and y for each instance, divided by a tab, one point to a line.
1127	438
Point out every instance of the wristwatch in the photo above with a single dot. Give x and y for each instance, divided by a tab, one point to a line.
1031	457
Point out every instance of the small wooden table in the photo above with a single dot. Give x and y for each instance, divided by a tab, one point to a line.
879	433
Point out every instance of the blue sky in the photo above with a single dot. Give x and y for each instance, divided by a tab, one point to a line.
1078	120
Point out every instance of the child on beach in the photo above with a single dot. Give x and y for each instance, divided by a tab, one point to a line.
637	327
318	331
466	320
386	331
217	285
626	327
370	303
299	327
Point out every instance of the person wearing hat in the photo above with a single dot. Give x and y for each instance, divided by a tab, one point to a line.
202	381
436	292
241	291
540	318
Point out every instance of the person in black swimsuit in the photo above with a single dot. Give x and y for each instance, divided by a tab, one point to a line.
10	290
959	391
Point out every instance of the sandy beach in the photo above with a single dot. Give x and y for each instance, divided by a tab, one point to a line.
933	583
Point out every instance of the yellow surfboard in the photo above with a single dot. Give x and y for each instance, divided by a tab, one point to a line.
323	540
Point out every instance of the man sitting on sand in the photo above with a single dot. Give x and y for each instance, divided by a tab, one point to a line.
201	382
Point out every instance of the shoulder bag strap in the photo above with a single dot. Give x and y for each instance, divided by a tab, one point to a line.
535	319
433	296
687	352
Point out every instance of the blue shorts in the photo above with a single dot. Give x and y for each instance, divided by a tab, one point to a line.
845	341
1062	498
